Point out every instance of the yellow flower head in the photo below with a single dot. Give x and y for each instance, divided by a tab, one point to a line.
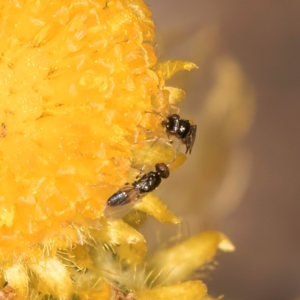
77	82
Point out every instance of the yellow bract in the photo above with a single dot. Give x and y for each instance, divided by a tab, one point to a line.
153	206
195	290
176	263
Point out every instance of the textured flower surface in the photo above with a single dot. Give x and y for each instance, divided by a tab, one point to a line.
77	82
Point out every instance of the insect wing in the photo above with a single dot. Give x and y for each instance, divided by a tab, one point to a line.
190	139
121	197
120	203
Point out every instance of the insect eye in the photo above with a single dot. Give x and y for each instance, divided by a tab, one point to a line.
163	170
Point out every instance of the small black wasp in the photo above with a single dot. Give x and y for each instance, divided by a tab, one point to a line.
182	129
121	202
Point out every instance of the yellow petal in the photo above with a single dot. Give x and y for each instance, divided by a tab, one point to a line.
153	206
92	294
169	68
176	263
126	242
17	276
91	286
52	278
156	152
190	290
175	94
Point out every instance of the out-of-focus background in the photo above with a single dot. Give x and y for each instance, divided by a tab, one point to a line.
243	175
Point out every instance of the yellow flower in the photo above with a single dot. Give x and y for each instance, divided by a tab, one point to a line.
77	80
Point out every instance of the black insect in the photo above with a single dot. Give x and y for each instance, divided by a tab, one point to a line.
182	129
121	202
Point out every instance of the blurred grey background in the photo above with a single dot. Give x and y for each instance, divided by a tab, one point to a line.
252	171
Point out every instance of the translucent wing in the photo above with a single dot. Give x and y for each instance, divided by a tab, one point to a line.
121	203
190	139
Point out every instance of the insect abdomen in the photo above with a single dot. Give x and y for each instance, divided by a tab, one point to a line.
118	198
